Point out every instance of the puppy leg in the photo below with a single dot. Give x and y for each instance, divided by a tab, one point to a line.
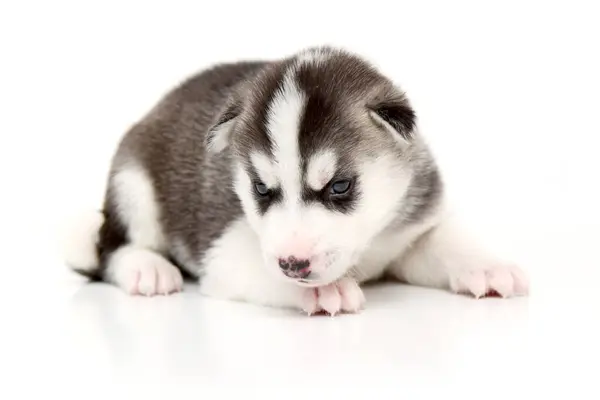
445	258
142	271
131	242
234	270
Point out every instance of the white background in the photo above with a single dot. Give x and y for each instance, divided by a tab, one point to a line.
507	94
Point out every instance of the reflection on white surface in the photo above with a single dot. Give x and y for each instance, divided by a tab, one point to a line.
412	332
73	338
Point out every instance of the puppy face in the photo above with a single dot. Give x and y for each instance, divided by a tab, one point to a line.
321	145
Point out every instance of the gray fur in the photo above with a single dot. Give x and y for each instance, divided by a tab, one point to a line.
194	185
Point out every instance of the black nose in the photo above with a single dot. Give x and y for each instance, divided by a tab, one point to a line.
293	264
294	267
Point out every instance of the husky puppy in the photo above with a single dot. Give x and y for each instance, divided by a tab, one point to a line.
285	183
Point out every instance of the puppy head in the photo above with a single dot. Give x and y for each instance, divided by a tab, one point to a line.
322	146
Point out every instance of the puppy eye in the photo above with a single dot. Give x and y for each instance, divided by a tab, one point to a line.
261	189
340	187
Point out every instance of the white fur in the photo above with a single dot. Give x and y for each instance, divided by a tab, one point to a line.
333	242
220	137
265	169
321	168
137	207
336	241
142	271
140	268
79	239
282	231
283	123
233	270
344	250
388	247
313	56
242	185
447	258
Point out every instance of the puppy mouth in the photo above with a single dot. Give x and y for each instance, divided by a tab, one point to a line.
308	280
303	273
310	283
314	280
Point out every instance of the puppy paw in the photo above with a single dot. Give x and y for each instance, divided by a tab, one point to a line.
144	272
506	280
342	296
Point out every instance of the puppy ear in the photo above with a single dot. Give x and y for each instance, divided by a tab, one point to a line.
396	116
219	134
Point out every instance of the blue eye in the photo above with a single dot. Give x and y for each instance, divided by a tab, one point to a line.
261	188
340	187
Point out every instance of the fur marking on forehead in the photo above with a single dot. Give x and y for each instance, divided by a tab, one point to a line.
283	124
321	169
264	168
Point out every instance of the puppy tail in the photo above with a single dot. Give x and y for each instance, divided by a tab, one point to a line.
79	242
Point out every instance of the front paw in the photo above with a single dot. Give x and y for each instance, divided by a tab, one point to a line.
342	296
506	280
144	272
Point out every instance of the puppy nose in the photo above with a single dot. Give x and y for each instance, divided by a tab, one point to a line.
295	268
